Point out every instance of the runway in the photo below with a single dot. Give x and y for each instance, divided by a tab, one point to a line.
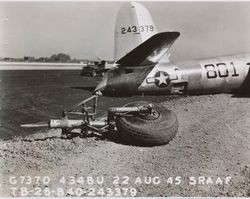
39	66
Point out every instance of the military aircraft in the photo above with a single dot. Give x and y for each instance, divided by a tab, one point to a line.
141	69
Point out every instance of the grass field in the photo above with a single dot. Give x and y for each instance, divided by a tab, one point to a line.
29	96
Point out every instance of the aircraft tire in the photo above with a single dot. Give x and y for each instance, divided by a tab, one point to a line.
149	130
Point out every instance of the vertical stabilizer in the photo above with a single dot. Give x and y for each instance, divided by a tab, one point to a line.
134	25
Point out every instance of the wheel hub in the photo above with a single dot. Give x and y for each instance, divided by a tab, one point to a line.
154	114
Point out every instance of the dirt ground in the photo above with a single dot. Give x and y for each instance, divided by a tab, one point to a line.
210	156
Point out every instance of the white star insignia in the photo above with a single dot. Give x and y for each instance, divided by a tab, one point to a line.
161	79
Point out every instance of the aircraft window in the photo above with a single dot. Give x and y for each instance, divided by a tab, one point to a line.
248	63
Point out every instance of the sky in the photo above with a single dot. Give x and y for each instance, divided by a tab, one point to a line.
85	30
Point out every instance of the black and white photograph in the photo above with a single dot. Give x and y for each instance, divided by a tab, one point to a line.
124	99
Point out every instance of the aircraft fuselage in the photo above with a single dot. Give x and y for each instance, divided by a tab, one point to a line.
217	75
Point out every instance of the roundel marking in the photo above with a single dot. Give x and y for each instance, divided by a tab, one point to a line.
161	79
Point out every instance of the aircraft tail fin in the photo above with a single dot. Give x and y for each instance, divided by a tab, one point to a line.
134	25
150	51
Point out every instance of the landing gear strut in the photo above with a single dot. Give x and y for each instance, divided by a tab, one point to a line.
137	122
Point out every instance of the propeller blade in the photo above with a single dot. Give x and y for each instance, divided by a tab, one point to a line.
36	125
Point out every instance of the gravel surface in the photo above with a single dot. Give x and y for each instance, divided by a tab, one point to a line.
213	141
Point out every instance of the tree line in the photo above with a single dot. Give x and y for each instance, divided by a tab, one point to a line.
60	57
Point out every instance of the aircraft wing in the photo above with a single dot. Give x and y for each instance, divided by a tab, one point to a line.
149	52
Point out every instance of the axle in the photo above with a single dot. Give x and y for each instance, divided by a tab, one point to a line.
68	123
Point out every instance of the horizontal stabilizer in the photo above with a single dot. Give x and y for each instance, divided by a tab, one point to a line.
150	51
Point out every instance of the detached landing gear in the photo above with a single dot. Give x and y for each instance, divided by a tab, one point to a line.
138	123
